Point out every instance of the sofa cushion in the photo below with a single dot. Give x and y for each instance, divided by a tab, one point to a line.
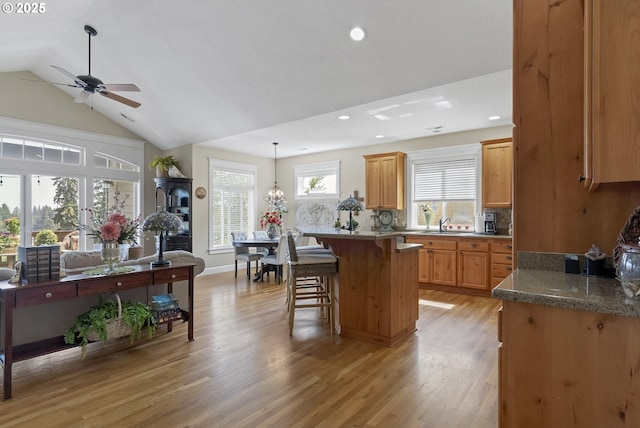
6	273
80	259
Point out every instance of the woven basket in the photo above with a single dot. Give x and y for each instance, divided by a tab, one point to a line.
628	235
115	327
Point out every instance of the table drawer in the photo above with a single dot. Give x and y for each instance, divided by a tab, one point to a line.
502	246
469	245
500	271
173	275
110	284
502	258
49	294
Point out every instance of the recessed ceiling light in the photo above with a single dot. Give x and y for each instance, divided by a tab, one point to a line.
494	117
357	34
344	117
379	136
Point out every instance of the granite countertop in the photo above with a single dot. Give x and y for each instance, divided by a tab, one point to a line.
332	232
547	285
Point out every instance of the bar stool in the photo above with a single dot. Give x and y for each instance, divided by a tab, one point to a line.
310	282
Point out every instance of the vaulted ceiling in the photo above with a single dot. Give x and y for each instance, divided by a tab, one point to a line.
241	74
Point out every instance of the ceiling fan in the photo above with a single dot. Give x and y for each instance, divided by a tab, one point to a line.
91	85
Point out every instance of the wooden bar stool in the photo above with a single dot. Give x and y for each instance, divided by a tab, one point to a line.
310	282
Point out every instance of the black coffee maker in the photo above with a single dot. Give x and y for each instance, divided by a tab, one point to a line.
490	227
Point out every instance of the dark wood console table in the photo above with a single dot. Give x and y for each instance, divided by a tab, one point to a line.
15	296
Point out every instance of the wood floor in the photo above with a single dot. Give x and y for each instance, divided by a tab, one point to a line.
243	370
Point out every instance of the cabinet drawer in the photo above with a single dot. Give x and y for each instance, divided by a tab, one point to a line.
500	271
173	275
434	244
38	296
108	284
502	258
469	245
502	246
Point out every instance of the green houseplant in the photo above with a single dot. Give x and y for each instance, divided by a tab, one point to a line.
45	237
95	322
162	164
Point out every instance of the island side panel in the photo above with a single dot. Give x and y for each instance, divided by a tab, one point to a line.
370	299
568	368
404	293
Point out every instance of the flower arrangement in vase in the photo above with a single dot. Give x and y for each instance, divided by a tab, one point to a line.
427	211
272	221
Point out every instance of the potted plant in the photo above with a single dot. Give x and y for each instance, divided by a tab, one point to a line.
162	164
98	323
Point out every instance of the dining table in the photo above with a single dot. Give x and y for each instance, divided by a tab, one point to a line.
269	244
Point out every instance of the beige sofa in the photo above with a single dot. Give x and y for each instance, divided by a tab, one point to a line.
73	262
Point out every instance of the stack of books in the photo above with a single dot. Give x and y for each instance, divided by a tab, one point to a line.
165	308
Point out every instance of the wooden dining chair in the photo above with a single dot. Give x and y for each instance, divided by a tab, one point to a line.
243	254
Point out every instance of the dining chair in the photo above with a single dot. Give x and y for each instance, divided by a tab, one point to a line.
261	234
276	260
242	253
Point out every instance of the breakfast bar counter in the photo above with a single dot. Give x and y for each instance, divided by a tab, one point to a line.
377	285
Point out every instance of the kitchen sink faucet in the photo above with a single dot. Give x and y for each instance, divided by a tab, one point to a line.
443	222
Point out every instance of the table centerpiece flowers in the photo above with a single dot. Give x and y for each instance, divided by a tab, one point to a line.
272	221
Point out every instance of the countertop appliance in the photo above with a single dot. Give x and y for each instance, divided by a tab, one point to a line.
490	223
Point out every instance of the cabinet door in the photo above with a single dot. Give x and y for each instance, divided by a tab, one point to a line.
373	171
443	267
497	159
389	178
423	265
473	269
612	131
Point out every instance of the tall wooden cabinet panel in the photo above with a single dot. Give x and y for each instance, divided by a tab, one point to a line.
174	195
612	91
497	173
384	175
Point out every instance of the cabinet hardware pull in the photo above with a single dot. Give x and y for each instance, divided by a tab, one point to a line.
474	245
509	268
173	276
118	284
429	243
581	178
508	247
48	295
509	258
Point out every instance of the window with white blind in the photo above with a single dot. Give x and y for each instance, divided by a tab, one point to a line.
232	201
444	185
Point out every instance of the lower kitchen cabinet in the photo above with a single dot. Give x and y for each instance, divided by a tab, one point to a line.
473	264
454	263
501	260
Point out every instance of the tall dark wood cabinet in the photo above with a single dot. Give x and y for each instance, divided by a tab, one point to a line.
174	195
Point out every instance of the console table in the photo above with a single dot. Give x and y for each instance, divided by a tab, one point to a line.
15	296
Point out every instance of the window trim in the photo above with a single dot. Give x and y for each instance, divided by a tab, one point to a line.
465	151
331	167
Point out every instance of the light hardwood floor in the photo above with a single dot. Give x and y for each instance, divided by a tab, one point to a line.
243	370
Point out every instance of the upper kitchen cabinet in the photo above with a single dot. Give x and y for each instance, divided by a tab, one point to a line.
497	173
612	89
385	181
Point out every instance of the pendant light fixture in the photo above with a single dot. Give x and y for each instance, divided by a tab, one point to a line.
275	198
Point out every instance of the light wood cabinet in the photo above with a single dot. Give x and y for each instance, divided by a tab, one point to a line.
497	173
501	260
384	176
453	263
612	129
473	264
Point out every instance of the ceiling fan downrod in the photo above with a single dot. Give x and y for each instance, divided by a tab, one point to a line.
91	32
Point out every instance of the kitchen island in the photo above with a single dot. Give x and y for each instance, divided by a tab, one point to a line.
570	352
377	284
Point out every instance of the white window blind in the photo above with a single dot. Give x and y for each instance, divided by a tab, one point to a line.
232	201
450	180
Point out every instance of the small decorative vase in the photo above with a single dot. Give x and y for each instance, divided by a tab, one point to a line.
272	231
427	219
110	254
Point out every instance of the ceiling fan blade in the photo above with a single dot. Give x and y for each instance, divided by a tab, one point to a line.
82	97
79	82
120	99
51	83
121	87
